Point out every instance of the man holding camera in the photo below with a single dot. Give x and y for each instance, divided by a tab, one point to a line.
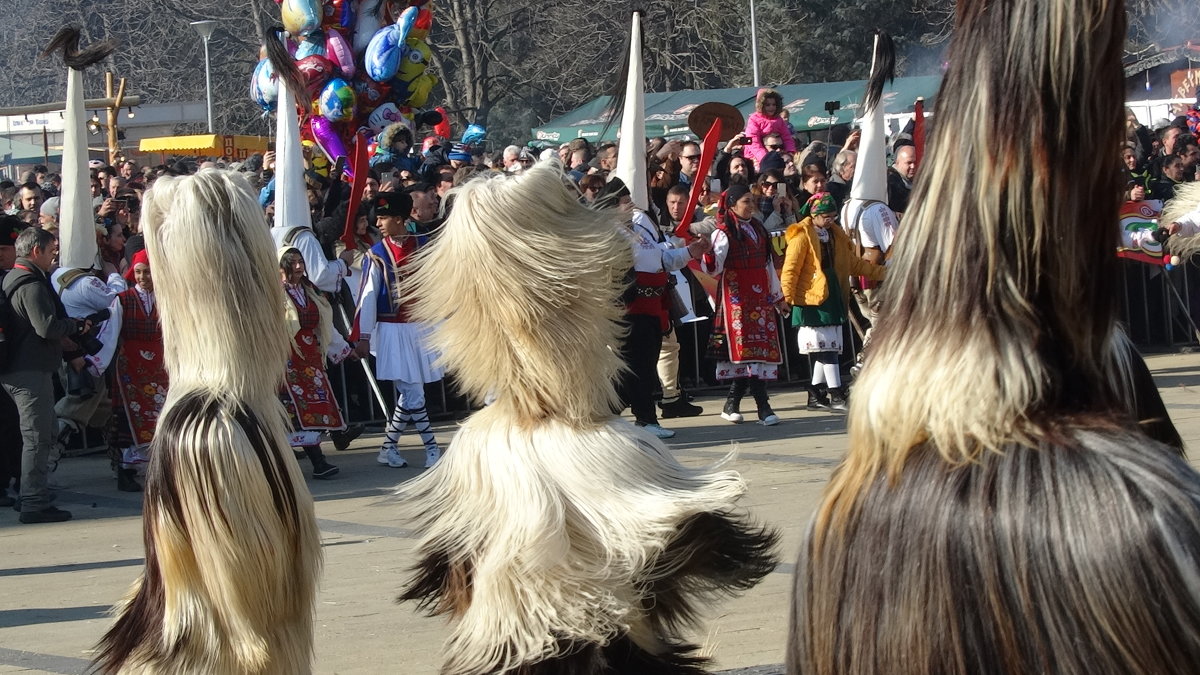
41	330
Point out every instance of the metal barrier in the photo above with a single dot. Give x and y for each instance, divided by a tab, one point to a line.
1156	306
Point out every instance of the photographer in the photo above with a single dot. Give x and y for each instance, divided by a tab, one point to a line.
41	328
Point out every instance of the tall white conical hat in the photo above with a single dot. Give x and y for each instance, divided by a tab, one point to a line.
77	219
631	151
870	175
291	194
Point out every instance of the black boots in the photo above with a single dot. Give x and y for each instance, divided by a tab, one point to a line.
737	390
818	397
766	416
321	467
127	480
839	399
821	397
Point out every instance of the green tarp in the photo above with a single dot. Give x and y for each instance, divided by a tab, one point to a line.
13	152
667	112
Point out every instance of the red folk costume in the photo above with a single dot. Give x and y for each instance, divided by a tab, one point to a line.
745	333
141	376
309	396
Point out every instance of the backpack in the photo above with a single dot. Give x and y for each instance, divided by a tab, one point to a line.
8	319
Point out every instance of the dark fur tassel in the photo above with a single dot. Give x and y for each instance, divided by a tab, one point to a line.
711	556
138	631
617	94
714	555
884	70
621	656
285	68
66	40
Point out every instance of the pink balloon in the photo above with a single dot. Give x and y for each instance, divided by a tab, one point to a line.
328	140
339	51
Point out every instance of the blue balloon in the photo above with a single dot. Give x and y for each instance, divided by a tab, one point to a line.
474	135
313	44
264	87
336	102
382	58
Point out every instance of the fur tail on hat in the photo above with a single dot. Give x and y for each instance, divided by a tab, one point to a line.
884	70
66	40
558	539
232	547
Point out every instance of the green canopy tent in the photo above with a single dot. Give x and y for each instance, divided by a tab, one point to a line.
17	153
666	112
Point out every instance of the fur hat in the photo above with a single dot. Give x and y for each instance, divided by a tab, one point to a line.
397	204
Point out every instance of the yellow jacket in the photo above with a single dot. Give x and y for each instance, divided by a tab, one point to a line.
803	281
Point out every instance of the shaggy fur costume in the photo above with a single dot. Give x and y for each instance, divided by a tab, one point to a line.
558	539
232	548
1016	517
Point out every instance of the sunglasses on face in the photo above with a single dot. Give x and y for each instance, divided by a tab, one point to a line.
690	157
774	147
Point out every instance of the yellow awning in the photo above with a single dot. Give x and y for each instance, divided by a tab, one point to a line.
206	145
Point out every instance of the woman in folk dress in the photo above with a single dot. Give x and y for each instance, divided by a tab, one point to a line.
140	382
308	395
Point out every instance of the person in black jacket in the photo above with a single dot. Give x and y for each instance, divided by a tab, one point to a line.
40	329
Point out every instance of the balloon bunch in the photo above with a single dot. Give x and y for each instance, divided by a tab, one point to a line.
363	64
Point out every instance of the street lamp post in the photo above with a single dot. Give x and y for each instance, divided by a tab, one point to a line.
205	29
754	42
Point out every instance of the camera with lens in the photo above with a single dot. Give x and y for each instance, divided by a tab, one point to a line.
87	339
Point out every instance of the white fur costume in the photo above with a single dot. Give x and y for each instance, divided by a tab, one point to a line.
232	547
557	538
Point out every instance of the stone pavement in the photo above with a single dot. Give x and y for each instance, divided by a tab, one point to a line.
58	581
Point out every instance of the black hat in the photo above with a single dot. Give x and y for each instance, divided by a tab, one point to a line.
10	228
772	160
396	204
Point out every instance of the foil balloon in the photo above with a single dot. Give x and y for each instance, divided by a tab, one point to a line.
416	86
338	14
474	135
382	58
338	50
326	135
316	71
371	94
384	115
337	101
422	25
420	89
366	24
442	128
314	44
406	21
264	86
301	17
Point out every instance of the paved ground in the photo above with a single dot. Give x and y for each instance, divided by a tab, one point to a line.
58	581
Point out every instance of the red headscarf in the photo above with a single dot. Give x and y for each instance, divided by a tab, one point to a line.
140	257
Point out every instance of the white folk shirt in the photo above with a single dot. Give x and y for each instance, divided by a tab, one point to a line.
876	225
322	272
87	295
649	253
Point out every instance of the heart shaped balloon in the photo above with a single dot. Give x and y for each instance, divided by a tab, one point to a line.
316	70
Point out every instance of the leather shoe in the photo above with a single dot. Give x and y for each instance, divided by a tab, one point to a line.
47	515
343	439
679	408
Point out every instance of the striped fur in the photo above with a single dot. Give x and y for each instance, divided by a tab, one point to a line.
1002	510
232	548
557	539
